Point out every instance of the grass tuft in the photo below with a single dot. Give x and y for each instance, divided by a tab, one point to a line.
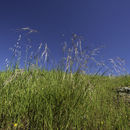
61	98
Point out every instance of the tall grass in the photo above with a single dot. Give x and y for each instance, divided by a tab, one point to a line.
63	97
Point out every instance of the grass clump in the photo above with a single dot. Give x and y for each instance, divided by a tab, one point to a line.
56	99
43	100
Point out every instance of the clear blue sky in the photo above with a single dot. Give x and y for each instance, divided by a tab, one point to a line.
99	21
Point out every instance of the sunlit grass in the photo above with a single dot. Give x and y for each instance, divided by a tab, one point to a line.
35	98
44	100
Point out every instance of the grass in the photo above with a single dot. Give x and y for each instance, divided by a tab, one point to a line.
35	99
44	100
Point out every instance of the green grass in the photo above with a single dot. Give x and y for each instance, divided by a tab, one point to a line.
35	100
54	100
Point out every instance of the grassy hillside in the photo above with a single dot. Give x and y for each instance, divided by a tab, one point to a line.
55	100
34	98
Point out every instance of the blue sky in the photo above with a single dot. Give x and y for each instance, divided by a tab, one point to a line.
105	22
